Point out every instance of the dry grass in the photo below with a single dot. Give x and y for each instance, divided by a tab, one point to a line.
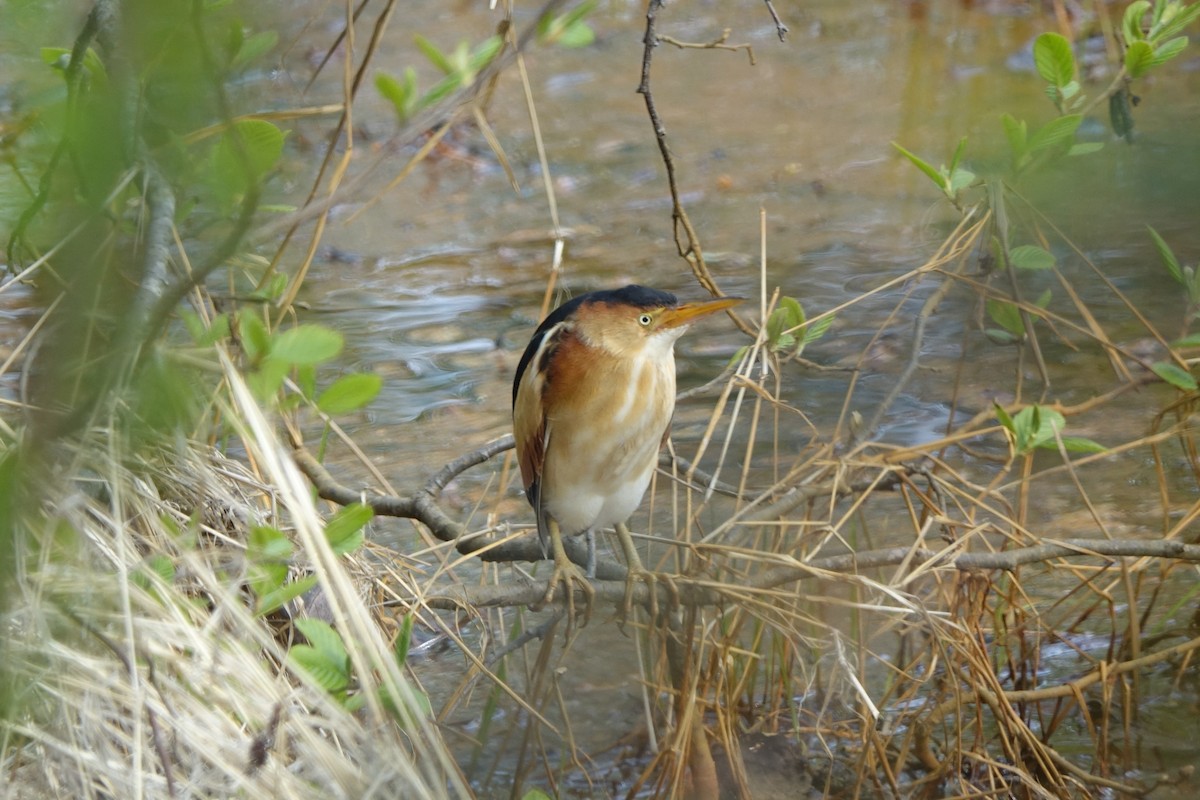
889	621
140	668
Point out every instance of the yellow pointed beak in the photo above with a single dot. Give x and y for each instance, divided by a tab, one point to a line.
689	312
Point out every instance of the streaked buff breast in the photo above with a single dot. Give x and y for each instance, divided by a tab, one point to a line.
606	419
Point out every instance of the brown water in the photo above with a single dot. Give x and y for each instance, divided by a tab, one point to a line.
438	285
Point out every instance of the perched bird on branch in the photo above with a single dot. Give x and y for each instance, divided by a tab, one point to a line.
592	403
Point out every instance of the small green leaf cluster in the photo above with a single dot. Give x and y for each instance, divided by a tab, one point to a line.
1008	316
241	159
269	555
242	50
271	356
569	29
951	180
1187	276
460	68
1148	47
1037	427
788	331
327	661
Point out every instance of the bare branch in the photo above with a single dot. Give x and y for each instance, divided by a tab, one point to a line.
716	44
780	28
422	506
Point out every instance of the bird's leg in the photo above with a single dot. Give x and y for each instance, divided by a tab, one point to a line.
633	563
567	573
591	555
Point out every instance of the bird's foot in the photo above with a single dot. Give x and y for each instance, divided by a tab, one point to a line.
570	576
652	581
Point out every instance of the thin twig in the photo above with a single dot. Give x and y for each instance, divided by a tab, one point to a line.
691	252
716	44
780	28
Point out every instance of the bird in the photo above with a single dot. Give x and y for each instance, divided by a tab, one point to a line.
593	398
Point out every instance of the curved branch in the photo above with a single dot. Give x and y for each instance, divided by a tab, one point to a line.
693	591
422	506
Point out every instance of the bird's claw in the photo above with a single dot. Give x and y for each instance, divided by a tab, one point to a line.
651	580
570	575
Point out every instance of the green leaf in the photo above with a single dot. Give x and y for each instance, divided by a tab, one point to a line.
331	677
252	333
1165	27
271	290
1007	316
1131	23
1191	340
1077	444
306	344
1083	148
776	324
266	542
958	154
576	35
60	58
569	29
483	54
924	166
350	393
1053	58
306	380
1167	255
1005	420
1139	57
218	330
254	47
344	531
1016	132
284	594
265	381
323	638
261	143
159	566
1037	426
815	330
1057	132
431	52
795	311
1002	337
960	179
1168	50
403	640
401	94
324	657
1174	375
1031	257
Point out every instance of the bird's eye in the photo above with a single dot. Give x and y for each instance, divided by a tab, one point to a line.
644	320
